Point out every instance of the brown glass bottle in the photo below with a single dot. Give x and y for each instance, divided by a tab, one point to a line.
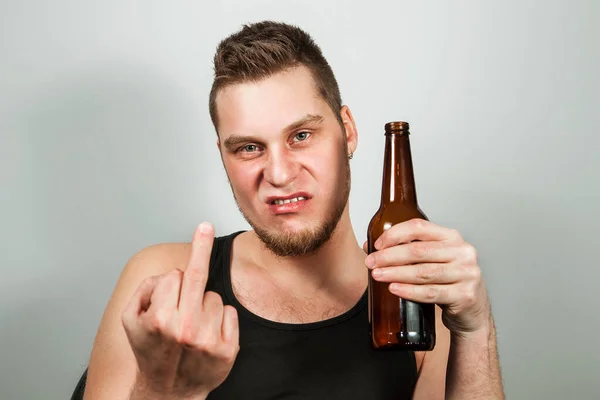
397	323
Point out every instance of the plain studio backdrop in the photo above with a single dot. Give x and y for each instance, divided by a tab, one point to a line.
107	147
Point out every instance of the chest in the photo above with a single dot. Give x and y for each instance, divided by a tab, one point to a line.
272	303
316	362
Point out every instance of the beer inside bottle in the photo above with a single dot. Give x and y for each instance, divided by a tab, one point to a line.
397	323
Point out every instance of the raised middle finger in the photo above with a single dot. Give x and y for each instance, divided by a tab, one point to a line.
196	273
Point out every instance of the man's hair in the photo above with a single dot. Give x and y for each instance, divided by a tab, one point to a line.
265	48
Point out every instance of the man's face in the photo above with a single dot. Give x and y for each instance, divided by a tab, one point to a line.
285	154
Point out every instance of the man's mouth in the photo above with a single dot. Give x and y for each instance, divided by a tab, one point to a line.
286	201
292	203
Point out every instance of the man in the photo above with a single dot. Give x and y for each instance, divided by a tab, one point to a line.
279	312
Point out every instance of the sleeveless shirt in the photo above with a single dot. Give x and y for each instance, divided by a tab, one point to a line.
326	360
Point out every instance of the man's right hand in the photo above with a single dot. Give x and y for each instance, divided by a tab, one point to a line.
185	341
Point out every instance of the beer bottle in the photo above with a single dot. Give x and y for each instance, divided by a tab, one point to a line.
397	323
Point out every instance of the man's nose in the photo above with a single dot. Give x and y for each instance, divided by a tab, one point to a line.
281	168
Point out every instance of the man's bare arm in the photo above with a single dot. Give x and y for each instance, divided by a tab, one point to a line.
432	371
112	367
473	367
429	263
460	367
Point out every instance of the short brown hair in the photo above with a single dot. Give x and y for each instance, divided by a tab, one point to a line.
265	48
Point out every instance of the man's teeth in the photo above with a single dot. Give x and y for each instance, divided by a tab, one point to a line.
286	201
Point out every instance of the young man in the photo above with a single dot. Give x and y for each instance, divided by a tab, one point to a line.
279	312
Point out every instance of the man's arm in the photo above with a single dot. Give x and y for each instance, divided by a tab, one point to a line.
112	367
432	369
429	263
460	367
473	368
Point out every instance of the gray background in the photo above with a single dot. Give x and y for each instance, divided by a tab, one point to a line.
107	147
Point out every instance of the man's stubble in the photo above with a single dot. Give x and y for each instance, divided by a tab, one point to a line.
285	244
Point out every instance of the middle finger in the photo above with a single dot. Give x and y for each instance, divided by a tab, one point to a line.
411	253
419	274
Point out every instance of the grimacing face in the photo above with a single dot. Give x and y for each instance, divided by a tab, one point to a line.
286	157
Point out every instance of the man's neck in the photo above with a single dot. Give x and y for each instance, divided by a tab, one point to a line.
337	265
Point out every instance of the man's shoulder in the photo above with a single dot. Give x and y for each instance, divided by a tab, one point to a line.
160	258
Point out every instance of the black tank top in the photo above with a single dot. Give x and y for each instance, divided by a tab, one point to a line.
329	360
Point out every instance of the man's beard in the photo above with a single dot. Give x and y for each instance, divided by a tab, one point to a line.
290	244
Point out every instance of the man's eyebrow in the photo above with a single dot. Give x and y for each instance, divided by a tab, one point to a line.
307	119
234	140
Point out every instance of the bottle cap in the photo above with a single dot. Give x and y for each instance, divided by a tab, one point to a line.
397	127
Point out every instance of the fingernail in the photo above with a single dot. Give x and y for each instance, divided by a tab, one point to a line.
370	261
204	227
377	273
377	244
394	287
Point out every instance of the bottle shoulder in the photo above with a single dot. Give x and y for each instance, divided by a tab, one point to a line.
394	213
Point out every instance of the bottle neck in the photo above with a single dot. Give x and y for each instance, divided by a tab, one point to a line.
398	177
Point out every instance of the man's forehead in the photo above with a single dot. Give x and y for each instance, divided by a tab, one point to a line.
269	105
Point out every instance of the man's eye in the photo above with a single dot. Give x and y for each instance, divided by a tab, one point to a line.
249	148
301	136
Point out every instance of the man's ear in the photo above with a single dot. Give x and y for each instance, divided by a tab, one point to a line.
350	128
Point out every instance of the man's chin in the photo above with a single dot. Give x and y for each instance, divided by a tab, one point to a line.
293	229
293	241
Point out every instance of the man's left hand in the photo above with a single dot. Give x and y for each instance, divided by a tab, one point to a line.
428	263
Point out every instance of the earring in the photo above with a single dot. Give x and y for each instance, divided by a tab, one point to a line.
350	156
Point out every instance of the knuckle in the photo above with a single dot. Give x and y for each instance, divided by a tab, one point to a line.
470	253
168	281
426	273
470	296
191	330
417	223
155	324
378	257
213	299
230	309
149	281
475	274
126	321
431	292
455	234
186	336
195	275
419	249
229	353
175	275
207	344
